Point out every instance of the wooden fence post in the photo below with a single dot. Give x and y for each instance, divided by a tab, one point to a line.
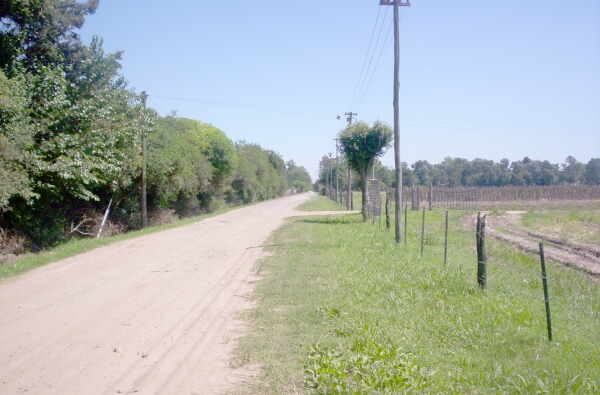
104	218
414	204
430	196
406	224
546	296
388	204
481	254
446	240
423	232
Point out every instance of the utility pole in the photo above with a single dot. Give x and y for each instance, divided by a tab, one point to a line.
330	155
337	171
398	192
349	118
144	153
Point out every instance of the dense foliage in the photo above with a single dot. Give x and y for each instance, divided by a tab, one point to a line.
71	134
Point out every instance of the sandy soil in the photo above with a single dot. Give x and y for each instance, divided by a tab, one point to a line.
151	315
579	256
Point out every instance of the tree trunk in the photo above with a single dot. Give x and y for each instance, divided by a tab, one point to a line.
364	194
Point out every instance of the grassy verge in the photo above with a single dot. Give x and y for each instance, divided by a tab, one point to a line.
320	203
570	224
73	247
343	310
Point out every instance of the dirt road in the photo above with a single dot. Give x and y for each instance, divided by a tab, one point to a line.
151	315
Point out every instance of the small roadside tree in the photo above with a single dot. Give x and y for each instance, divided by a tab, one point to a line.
361	145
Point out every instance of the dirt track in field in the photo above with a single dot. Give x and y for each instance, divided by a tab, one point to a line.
151	315
579	256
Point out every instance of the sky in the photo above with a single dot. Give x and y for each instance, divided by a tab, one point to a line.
478	79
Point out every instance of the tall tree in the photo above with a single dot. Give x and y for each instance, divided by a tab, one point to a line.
41	32
361	145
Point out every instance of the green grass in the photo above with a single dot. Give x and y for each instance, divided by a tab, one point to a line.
73	247
571	224
343	310
320	203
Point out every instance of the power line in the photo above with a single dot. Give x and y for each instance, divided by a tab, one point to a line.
363	79
367	86
376	48
366	56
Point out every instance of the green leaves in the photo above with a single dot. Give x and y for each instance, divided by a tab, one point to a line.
370	366
15	141
362	143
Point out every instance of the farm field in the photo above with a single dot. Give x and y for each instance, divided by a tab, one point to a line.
574	224
378	318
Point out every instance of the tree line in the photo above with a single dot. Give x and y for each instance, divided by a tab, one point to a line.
455	172
71	137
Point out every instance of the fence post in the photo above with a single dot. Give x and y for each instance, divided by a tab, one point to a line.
546	297
446	240
388	204
414	205
481	255
406	224
430	196
423	232
104	218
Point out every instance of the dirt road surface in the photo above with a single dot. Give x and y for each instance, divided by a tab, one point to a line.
150	315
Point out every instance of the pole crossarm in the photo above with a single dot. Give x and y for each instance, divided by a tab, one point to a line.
392	2
350	116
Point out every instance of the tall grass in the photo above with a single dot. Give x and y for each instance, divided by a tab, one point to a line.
344	310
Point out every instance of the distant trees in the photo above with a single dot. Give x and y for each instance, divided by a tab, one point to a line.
592	172
298	178
455	172
361	145
260	174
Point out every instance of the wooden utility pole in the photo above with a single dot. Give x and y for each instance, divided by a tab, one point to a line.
330	156
349	118
337	172
398	193
144	153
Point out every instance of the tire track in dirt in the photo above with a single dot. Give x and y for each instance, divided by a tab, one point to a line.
154	314
581	257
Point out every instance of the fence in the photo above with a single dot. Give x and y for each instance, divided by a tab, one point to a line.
474	197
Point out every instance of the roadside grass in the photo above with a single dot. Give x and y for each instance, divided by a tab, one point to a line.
343	310
570	224
320	203
29	261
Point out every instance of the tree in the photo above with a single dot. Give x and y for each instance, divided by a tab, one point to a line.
422	172
362	144
592	172
572	171
41	32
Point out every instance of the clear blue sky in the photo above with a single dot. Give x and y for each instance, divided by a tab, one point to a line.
489	79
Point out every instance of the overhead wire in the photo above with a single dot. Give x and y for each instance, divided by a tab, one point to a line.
369	54
370	77
377	48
